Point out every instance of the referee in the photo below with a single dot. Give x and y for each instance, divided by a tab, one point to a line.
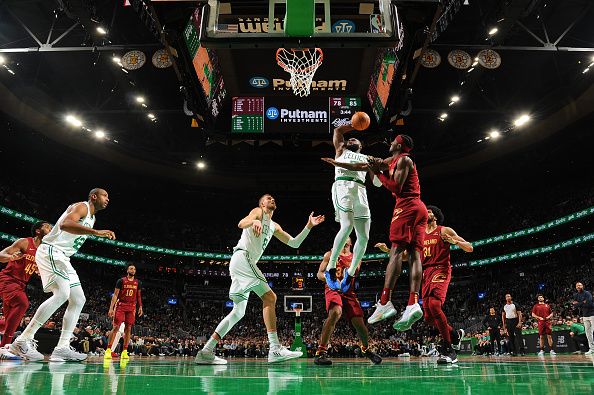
512	324
493	323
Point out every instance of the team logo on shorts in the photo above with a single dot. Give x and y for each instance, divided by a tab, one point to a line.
439	278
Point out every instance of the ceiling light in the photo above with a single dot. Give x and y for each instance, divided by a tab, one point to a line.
151	115
116	59
494	134
139	99
100	134
71	119
474	63
125	71
470	69
487	138
493	31
455	98
101	30
201	165
444	115
143	105
2	59
10	71
524	118
478	141
586	70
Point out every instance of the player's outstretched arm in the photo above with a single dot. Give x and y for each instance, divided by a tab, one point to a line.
323	265
295	242
450	236
70	224
252	219
361	166
14	251
338	137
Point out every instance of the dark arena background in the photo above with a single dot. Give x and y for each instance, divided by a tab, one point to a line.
180	113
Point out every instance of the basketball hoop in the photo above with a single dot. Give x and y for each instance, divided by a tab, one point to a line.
302	64
297	311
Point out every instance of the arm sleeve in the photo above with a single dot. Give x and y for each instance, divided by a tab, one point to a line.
295	242
389	183
119	284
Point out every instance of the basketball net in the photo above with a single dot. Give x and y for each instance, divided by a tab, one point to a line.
297	311
302	64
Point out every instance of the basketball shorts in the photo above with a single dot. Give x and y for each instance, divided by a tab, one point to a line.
124	313
350	197
55	268
246	277
409	221
436	280
351	307
545	328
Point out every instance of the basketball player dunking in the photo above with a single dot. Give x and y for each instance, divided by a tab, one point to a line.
59	277
20	257
126	297
246	277
337	303
351	208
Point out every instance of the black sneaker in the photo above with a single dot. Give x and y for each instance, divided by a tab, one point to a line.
373	357
322	359
448	357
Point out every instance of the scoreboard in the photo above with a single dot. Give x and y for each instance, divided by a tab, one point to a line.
291	114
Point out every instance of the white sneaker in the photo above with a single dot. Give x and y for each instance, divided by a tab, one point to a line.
66	354
6	355
411	314
553	352
589	352
26	348
204	357
382	312
282	354
541	353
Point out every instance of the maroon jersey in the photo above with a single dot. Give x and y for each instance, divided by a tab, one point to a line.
411	189
342	264
129	291
436	252
542	310
20	271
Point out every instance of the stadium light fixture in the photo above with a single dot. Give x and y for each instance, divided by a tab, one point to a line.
101	30
494	134
522	120
2	59
201	165
470	70
72	120
586	70
151	116
100	134
493	31
139	99
454	99
116	60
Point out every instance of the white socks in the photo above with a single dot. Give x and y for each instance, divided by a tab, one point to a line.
273	340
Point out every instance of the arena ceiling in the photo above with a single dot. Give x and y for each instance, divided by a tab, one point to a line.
546	48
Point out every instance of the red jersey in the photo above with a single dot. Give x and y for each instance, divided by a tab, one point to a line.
129	291
20	271
411	189
542	310
436	252
342	264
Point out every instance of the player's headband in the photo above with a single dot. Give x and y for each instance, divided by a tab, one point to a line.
400	140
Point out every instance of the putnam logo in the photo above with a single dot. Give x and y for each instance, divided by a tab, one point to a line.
280	84
286	115
259	82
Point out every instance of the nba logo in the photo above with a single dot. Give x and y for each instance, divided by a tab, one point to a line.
272	113
259	82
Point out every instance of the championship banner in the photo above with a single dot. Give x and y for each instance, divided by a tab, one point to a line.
459	59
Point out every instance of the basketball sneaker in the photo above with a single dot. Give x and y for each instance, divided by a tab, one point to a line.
373	357
382	312
67	354
204	357
411	314
124	355
331	280
448	357
322	359
589	352
456	345
282	354
6	355
107	354
541	353
345	284
553	352
26	348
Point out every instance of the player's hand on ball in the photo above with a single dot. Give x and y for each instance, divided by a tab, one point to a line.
382	246
257	226
315	221
106	233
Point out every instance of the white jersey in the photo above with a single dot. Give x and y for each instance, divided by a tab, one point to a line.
69	243
350	175
253	244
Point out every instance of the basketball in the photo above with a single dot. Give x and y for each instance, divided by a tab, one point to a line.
360	120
